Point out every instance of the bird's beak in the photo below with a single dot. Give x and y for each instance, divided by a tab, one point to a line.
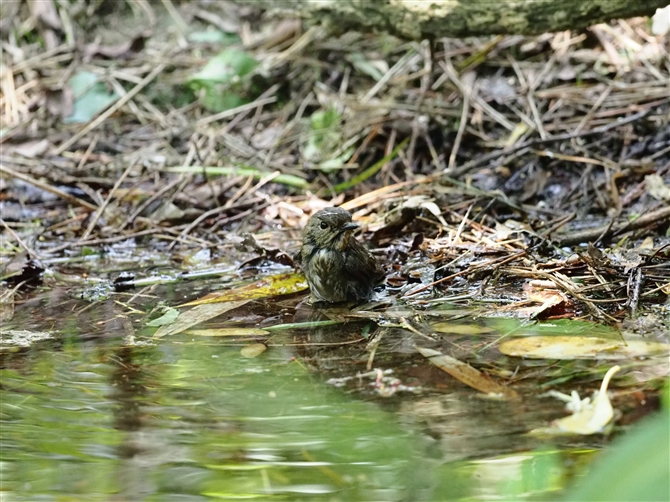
349	226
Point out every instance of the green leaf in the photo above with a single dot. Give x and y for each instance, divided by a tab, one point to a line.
216	100
169	316
325	119
286	179
225	67
91	97
220	80
324	138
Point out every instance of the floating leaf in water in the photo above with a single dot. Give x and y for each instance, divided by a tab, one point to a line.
228	332
453	328
196	315
467	374
635	466
220	302
589	416
578	347
253	350
273	285
169	316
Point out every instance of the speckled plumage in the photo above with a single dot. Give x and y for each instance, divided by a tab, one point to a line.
338	268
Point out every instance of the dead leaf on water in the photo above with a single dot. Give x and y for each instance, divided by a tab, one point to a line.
467	374
228	332
589	415
595	415
253	350
196	315
219	302
578	347
273	285
460	329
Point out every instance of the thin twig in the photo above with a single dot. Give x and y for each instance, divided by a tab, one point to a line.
27	249
561	137
101	210
48	188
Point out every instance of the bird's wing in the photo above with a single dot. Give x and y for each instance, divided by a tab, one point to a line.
360	266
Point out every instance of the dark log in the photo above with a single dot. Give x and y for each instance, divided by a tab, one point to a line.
417	19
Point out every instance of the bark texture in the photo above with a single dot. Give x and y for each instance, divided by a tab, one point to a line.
419	19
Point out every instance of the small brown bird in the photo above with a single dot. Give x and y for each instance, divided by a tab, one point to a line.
337	267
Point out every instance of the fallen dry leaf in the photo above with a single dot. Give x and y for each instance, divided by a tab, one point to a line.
197	315
274	285
467	374
579	347
253	350
589	415
228	332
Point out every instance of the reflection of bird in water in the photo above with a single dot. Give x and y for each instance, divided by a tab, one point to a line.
338	268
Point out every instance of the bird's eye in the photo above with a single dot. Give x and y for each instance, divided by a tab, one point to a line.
323	225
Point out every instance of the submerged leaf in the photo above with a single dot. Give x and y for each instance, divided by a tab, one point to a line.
6	304
467	374
169	316
253	350
196	315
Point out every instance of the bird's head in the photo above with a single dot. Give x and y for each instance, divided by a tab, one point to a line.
329	228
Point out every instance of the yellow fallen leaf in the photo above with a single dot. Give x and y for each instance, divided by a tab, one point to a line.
273	285
253	350
227	332
460	329
579	347
196	315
